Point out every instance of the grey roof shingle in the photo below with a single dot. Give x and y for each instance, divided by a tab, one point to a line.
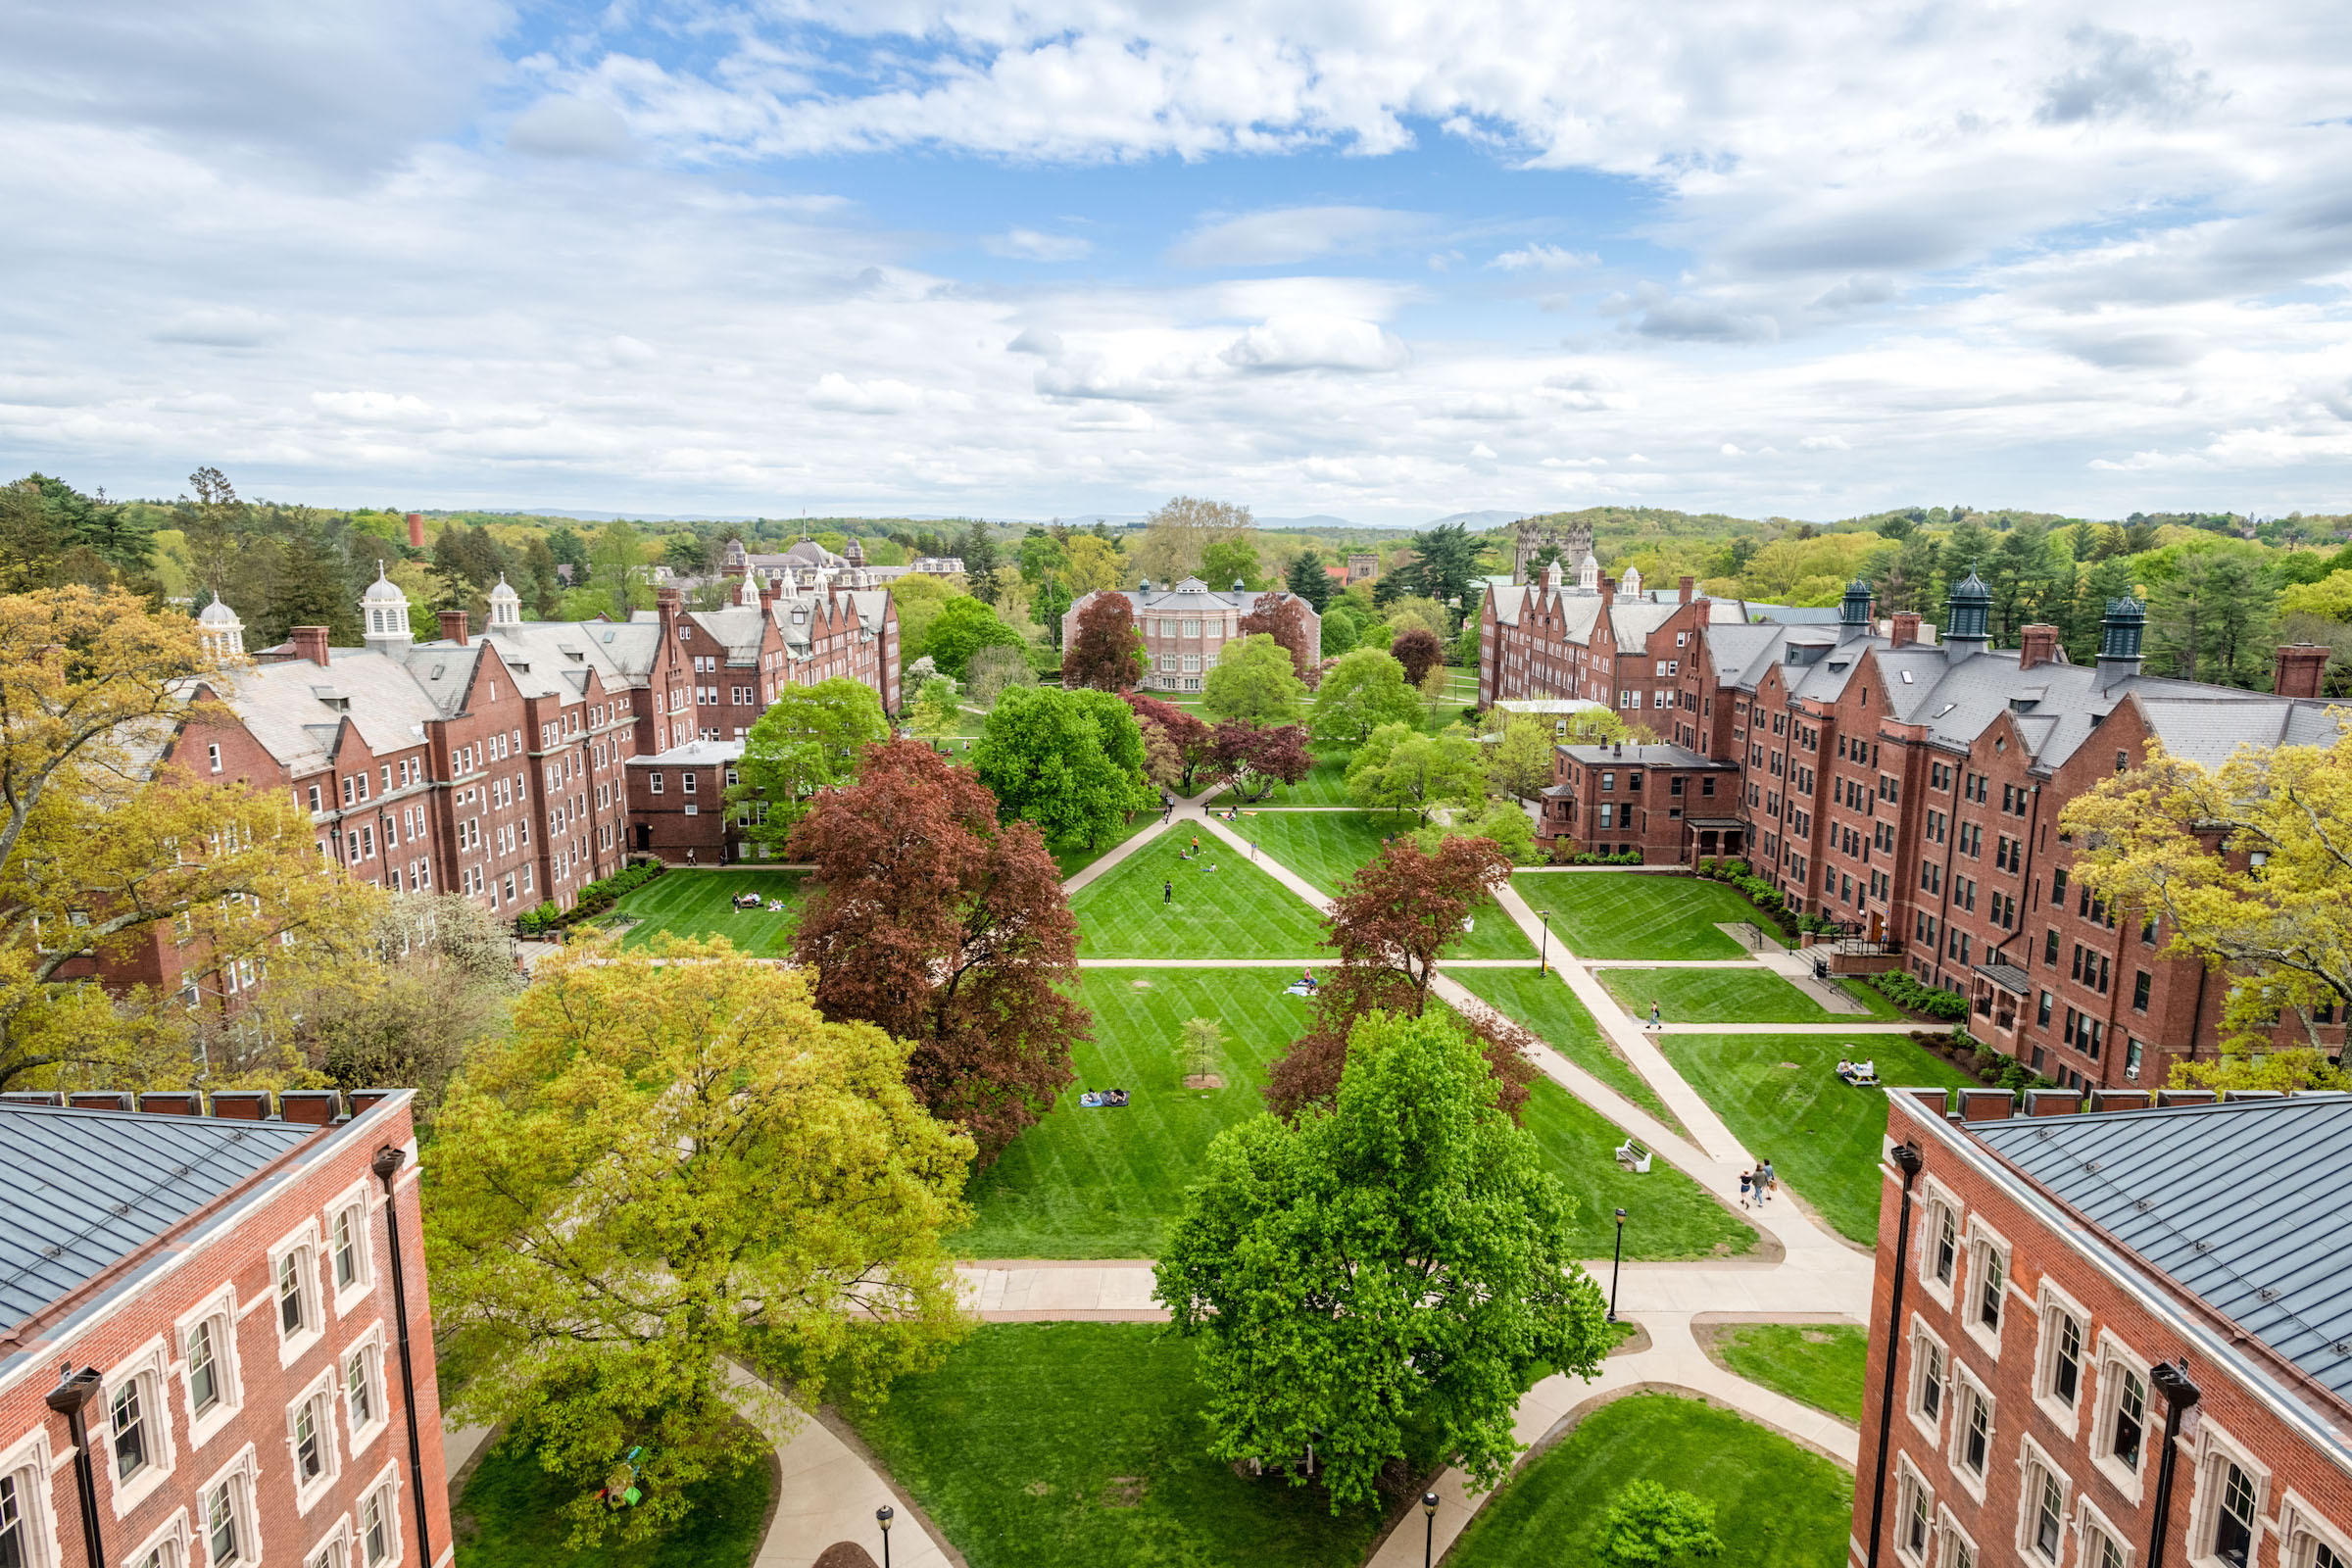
81	1189
2243	1204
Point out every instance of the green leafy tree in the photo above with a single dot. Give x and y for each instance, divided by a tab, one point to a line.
1254	683
1230	561
1403	768
1041	555
1445	567
1503	824
1309	580
994	669
1520	764
936	712
675	1162
981	559
2208	613
1341	631
1404	1264
617	562
311	588
569	549
1071	761
963	628
540	588
1196	1047
812	738
1053	603
1360	691
1650	1527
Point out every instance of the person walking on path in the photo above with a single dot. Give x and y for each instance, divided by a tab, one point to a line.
1766	1177
1745	1179
1167	893
1254	849
1654	1014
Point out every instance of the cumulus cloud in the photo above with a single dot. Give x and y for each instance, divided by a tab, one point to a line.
1544	258
1035	340
1293	235
569	127
2118	74
1856	291
1033	245
1823	443
1651	311
1316	343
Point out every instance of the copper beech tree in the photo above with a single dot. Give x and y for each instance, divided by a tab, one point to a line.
947	930
1106	650
1279	617
1253	760
1187	735
1419	651
1389	923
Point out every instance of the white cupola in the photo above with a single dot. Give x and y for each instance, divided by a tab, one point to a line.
505	605
1631	585
223	632
1588	575
384	615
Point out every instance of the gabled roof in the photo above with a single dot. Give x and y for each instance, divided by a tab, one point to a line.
81	1189
2242	1205
283	707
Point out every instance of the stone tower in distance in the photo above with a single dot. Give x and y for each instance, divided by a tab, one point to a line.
1531	536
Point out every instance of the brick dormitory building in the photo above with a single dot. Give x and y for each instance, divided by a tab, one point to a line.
217	1348
1907	787
2117	1338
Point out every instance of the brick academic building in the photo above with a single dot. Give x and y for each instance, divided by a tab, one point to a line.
1907	788
2112	1340
217	1348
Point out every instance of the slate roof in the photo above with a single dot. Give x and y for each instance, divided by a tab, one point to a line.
1661	754
81	1189
2244	1204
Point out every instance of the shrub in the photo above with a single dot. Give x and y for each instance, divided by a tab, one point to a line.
1905	992
1734	870
594	900
1705	866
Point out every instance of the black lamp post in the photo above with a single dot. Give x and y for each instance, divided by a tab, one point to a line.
883	1516
1615	1264
1543	958
1429	1531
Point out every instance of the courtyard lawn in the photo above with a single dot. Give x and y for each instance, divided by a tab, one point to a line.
1076	857
1544	1004
1747	995
1780	1097
1236	912
1107	1183
1820	1364
1669	1216
1327	848
1076	1445
509	1516
1638	914
1776	1505
1326	784
694	904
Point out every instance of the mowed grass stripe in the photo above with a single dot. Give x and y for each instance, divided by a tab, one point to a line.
1326	848
1326	784
1638	914
1544	1004
1727	996
1235	912
690	903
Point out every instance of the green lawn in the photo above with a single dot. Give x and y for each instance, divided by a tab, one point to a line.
1776	1505
694	904
1820	1364
1544	1004
1751	995
1638	914
1780	1097
1079	1444
509	1516
1326	784
1107	1183
1076	857
1327	848
1236	912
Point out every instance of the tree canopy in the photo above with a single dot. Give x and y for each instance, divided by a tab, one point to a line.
1404	767
1106	654
1254	682
1283	619
963	627
809	739
1361	693
1403	1263
1649	1526
1071	761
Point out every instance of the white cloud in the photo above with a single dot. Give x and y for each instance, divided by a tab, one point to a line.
570	128
1316	343
1033	245
1544	258
1479	448
223	326
1295	234
1825	443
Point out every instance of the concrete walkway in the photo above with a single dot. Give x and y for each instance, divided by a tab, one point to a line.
828	1492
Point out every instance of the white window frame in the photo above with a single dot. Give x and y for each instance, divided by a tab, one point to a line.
239	1476
353	1200
1942	1204
30	1465
2090	1518
292	1348
1968	1394
318	1396
2032	1457
386	1488
1924	1338
221	1311
1948	1531
149	1368
2115	1358
2302	1531
332	1549
1985	1243
2217	1450
1912	1494
168	1547
371	1346
2048	1304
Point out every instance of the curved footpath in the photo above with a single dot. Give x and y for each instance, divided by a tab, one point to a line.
830	1492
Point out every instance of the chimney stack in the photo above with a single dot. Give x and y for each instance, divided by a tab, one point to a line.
415	530
669	604
1686	585
310	642
1906	628
2036	645
2299	669
454	623
1608	589
768	593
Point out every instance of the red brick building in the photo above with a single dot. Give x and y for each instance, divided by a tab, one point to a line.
1631	650
1910	790
2096	1344
1668	803
215	1359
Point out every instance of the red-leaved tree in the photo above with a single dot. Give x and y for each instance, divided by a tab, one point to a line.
1106	650
931	920
1419	651
1389	924
1279	617
1189	736
1253	760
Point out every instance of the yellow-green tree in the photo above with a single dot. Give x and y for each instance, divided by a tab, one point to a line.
101	847
2246	864
673	1163
1520	763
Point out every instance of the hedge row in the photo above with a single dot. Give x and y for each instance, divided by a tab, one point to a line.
1587	858
1905	992
1760	893
595	898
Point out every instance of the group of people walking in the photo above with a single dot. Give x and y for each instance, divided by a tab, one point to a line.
1757	1184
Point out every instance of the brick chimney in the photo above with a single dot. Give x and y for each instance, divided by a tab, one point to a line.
1686	585
669	604
2036	645
310	642
768	593
415	530
1608	589
454	623
2299	668
1906	628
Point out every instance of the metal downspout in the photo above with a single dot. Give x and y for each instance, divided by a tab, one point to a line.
1906	1159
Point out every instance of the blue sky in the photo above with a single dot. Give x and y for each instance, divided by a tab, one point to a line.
1386	263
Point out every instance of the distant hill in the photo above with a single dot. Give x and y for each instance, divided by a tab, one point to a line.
1477	522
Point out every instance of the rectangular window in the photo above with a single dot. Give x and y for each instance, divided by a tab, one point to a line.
309	1447
2234	1528
376	1527
358	1380
347	1250
1948	1245
657	782
2141	983
1976	1434
203	1369
2049	1515
1991	1280
1931	1380
128	1417
221	1525
2066	1358
2129	1428
292	1310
